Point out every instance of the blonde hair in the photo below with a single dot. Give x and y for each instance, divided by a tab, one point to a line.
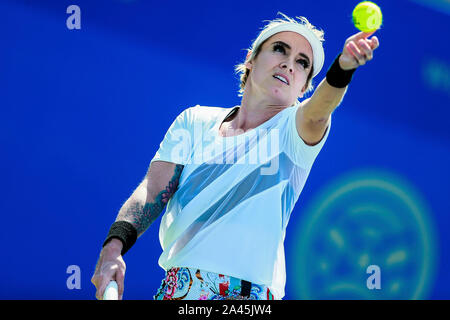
244	72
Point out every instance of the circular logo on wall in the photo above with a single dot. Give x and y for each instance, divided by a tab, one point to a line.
367	235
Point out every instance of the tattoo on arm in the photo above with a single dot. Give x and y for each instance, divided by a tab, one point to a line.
142	216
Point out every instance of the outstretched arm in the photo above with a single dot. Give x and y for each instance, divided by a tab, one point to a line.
313	116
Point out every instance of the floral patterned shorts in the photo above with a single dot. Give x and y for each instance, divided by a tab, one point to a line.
194	284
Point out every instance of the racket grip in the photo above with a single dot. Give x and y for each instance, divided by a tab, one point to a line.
111	291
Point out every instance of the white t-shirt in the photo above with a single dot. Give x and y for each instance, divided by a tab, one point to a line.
235	194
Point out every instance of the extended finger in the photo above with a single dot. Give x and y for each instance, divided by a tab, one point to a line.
366	49
357	54
96	281
374	42
365	35
361	35
120	277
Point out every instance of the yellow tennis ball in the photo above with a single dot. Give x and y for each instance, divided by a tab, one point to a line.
367	16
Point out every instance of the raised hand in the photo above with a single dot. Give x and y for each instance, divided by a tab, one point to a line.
358	49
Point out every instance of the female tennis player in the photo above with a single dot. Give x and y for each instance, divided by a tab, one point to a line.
229	178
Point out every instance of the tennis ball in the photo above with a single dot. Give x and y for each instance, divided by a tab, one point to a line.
367	16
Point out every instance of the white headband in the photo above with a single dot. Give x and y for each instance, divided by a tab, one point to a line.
316	45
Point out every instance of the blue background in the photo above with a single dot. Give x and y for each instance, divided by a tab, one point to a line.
83	112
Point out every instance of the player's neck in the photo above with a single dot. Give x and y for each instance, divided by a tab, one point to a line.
254	111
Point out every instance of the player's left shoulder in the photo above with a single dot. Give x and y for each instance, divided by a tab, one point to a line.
207	110
311	132
206	114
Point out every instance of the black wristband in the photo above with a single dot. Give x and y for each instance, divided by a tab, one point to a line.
337	77
125	232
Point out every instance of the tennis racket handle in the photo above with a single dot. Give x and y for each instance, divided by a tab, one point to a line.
111	291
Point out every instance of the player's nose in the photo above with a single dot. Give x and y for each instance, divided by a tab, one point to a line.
286	65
